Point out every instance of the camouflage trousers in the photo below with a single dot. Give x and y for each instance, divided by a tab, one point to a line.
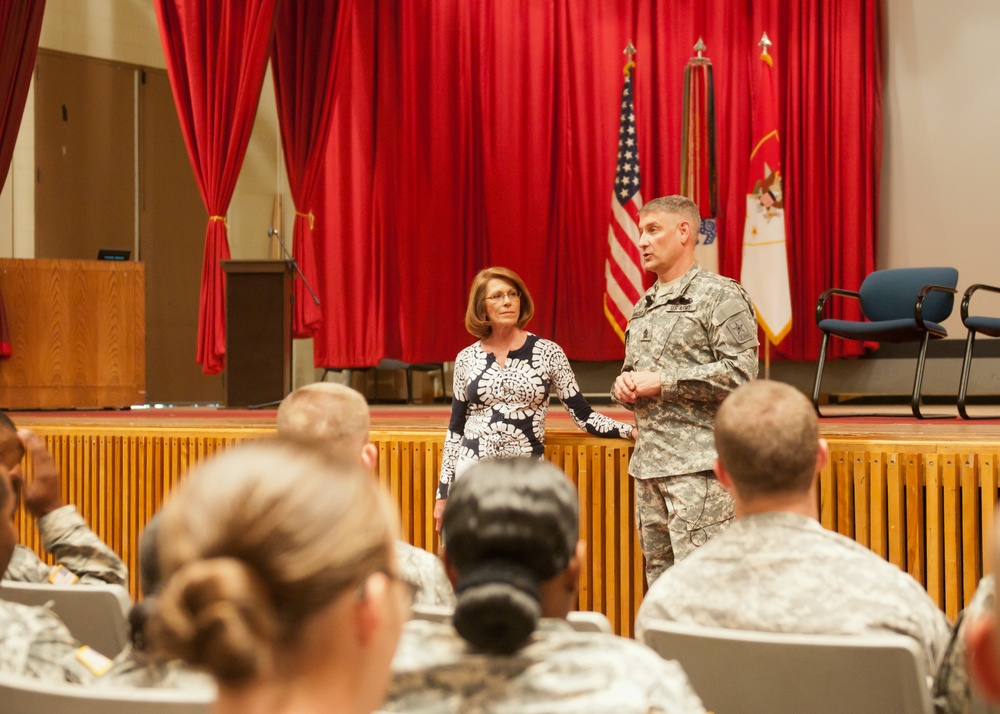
676	514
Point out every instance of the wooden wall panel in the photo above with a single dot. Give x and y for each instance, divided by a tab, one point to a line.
77	330
930	513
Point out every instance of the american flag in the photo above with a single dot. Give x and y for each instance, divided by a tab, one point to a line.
623	268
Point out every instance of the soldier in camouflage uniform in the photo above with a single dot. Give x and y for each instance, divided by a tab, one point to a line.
952	690
777	569
513	545
80	554
34	642
337	417
981	639
691	340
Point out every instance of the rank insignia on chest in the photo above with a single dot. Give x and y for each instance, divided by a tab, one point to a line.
646	334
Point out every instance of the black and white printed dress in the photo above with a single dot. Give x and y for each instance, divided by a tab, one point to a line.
500	411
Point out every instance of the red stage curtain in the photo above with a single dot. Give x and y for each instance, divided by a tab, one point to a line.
307	35
20	25
216	53
470	134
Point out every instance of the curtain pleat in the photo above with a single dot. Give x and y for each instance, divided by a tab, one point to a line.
216	54
306	40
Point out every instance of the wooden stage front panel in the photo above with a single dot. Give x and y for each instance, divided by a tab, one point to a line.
922	498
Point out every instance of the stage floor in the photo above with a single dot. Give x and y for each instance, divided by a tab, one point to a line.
892	423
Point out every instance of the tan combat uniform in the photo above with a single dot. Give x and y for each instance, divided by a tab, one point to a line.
699	332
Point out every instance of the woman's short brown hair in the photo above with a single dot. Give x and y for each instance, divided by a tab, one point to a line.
475	313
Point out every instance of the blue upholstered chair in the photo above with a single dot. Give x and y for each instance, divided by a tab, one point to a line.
975	324
899	305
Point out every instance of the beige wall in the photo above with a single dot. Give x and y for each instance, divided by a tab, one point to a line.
941	166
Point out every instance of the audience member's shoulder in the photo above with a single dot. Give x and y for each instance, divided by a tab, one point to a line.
560	671
426	573
952	690
423	643
28	619
26	567
628	672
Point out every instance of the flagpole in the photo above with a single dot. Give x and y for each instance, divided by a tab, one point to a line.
767	358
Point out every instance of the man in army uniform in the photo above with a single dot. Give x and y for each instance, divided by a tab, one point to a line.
34	642
691	340
777	569
337	417
81	556
980	629
952	688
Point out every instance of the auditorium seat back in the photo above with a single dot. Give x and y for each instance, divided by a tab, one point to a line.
740	672
97	615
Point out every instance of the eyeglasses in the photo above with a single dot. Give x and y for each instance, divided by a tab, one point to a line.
511	295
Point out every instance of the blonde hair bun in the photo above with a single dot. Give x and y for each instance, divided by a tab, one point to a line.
217	615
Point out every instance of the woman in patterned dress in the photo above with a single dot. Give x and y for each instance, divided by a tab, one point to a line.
502	384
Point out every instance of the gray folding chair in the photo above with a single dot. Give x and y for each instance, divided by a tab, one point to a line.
97	615
587	621
736	671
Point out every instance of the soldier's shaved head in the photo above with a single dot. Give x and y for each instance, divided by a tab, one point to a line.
767	438
332	415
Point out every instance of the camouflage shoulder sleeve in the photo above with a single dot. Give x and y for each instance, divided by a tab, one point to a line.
425	572
26	567
68	537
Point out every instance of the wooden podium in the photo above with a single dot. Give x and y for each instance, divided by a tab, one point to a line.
78	332
258	331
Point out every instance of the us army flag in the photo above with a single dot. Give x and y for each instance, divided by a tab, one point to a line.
699	175
764	273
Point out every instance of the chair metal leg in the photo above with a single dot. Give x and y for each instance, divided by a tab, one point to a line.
918	381
963	384
819	373
444	387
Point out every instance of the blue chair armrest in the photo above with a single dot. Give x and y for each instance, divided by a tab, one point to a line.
918	306
821	303
967	297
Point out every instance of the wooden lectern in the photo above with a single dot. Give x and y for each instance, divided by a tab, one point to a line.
258	331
